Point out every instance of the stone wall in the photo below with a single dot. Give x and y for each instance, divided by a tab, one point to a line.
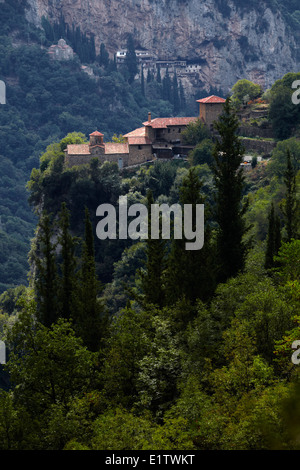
252	131
170	134
262	147
210	112
139	154
72	160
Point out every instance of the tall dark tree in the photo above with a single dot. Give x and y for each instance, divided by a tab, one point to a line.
167	87
289	205
103	56
142	82
92	48
190	273
158	76
182	97
229	180
131	60
152	280
48	28
273	238
90	321
175	94
45	279
68	282
149	76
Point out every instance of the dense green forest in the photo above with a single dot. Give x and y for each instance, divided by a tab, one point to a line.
142	345
46	99
182	350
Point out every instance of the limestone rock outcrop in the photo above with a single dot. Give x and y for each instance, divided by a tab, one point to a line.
228	41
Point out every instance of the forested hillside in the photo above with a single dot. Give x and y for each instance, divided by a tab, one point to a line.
122	344
47	99
182	350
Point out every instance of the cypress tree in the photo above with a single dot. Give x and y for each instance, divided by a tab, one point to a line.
90	322
45	280
142	82
182	97
273	238
48	28
92	48
190	274
103	57
175	94
68	284
158	76
149	76
289	205
229	181
166	89
131	60
153	280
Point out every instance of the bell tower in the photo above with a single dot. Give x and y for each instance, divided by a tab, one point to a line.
96	144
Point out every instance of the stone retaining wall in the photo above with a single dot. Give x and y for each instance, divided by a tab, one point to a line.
262	147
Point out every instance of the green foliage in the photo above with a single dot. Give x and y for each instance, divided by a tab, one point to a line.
202	153
83	45
46	100
273	238
152	280
229	180
55	366
190	273
244	91
131	60
197	364
89	319
284	115
195	133
291	204
160	367
288	257
126	346
45	277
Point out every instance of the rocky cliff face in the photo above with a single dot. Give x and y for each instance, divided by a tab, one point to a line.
229	42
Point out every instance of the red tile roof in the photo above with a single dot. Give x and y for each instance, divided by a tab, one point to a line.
96	133
78	149
111	148
140	140
211	99
84	149
140	132
159	123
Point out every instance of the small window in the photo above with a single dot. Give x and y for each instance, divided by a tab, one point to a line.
140	147
169	130
179	130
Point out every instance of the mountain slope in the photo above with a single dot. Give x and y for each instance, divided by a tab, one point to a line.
231	40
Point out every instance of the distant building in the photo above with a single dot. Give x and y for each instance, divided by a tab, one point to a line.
124	154
61	51
142	55
210	109
165	134
158	138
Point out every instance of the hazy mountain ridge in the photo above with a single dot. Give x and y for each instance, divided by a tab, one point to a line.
231	40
